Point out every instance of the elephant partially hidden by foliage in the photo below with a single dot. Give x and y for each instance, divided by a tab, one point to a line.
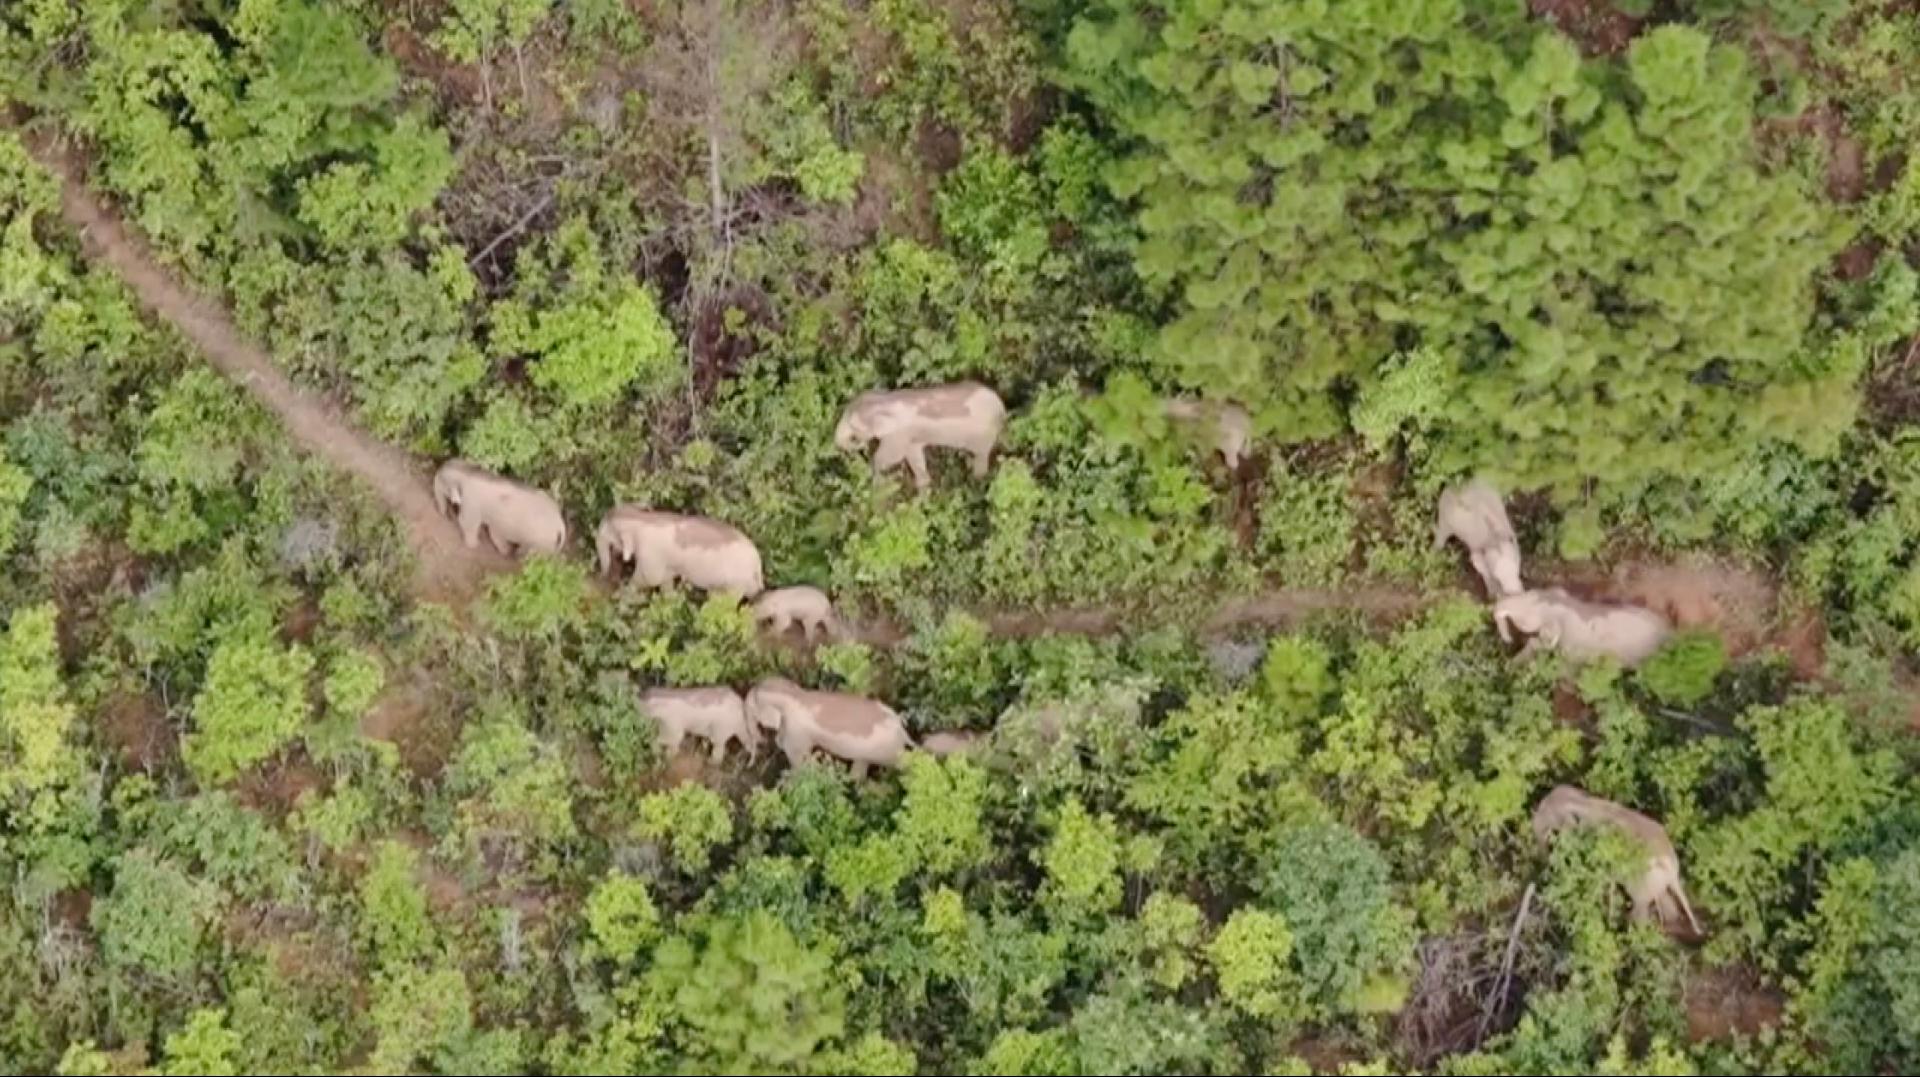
717	715
1581	630
1474	514
964	415
516	516
666	547
808	607
1655	892
860	730
1229	425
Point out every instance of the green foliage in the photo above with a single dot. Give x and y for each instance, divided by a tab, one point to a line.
253	702
1082	862
204	1046
622	917
690	820
36	717
352	683
474	28
394	917
1684	670
510	784
155	918
1250	958
593	334
15	485
1318	189
1335	891
747	996
540	601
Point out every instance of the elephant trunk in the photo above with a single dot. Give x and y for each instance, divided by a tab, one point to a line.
1500	623
603	546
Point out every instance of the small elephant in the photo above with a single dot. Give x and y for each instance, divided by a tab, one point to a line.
1474	514
717	715
964	415
1656	892
515	515
1229	424
951	743
785	607
1581	630
857	729
666	547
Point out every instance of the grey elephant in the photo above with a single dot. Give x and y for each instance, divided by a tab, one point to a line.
808	607
860	730
516	517
1581	630
1228	424
964	415
717	715
1657	891
1474	514
667	547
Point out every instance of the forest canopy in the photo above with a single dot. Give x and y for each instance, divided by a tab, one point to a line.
1214	756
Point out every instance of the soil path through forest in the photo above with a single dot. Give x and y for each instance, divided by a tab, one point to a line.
447	571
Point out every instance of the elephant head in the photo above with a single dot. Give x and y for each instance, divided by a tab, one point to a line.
767	703
608	545
853	431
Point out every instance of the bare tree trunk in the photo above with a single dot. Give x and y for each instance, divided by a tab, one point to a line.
716	194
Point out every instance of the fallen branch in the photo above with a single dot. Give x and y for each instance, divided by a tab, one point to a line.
1497	1002
513	229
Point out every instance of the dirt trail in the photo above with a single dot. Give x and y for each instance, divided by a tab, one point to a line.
447	570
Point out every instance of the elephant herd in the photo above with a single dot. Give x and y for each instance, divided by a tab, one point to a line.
665	548
1583	631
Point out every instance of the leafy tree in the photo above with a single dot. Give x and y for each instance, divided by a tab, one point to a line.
253	702
1251	961
691	819
1082	862
748	995
36	717
393	907
1683	672
205	1046
155	917
622	918
1335	893
1323	192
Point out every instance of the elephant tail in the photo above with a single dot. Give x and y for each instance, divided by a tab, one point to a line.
1680	895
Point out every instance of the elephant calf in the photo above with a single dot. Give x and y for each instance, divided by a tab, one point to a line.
666	547
516	516
1230	426
785	607
1657	890
964	415
717	715
1475	515
1581	630
854	728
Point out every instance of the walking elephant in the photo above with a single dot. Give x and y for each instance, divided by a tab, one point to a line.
1655	892
964	415
1581	630
515	516
717	715
1229	425
1474	514
785	607
667	547
854	728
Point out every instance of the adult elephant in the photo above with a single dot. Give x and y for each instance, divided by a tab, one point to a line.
515	516
668	547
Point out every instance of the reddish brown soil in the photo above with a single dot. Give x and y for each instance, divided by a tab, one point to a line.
1595	25
135	725
1730	1001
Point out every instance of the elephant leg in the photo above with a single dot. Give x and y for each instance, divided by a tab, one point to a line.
670	739
860	768
798	750
888	456
917	463
505	547
469	527
982	460
719	751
